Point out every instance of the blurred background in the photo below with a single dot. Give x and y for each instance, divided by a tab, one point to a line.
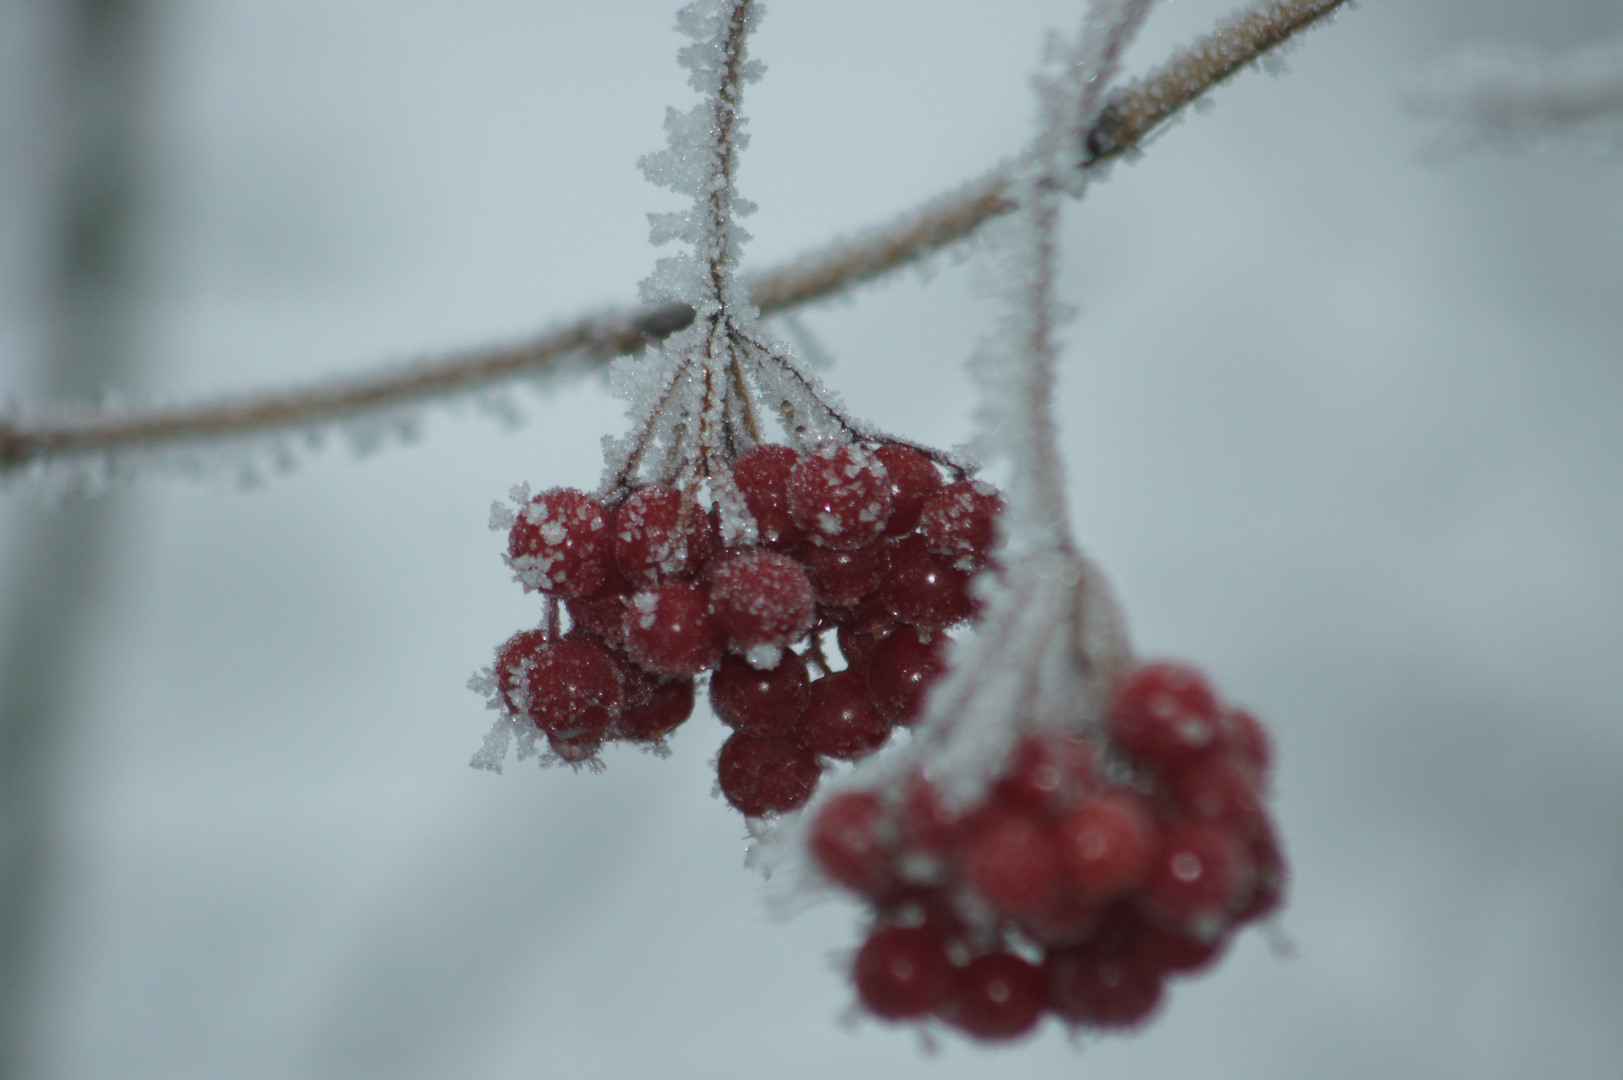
1344	425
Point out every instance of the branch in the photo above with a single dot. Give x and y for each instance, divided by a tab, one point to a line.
1130	117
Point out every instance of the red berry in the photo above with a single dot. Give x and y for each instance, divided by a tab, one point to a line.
1199	874
1046	773
857	647
581	746
901	670
760	703
902	973
840	720
923	589
1164	711
513	662
602	613
930	827
959	523
1272	873
1168	951
761	776
1101	984
560	543
660	536
997	996
843	578
913	479
841	496
1011	860
1106	844
665	710
763	476
761	598
848	841
1249	741
573	689
669	630
1214	787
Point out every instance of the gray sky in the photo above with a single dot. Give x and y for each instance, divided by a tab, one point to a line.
1344	425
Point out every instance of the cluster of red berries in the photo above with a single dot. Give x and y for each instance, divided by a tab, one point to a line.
873	543
1079	884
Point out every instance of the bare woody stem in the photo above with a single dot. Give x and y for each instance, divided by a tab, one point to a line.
1130	117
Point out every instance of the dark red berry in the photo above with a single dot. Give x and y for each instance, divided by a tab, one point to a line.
762	776
959	523
901	670
761	703
922	589
761	598
997	996
840	720
1011	860
1199	875
669	630
856	646
1106	844
573	689
667	707
763	476
1046	773
843	578
513	662
841	496
1165	711
929	826
561	543
1271	873
848	840
1249	740
660	536
603	612
913	479
902	973
1101	984
1220	788
1168	951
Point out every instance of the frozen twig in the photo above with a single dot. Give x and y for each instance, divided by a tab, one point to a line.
590	341
1516	100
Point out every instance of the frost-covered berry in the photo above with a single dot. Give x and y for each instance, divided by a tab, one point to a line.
840	495
902	973
603	612
901	670
664	711
762	475
856	646
840	720
997	996
1011	860
660	536
761	598
513	662
913	479
959	523
1200	873
848	840
669	629
573	689
1102	983
561	544
763	703
923	589
1165	711
762	776
1106	844
844	578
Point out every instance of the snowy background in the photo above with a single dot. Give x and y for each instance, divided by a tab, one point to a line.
1344	424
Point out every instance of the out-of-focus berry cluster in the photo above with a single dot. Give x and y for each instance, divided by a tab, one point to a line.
874	543
1093	870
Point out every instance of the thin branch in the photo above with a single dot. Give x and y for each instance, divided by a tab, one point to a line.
1130	117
